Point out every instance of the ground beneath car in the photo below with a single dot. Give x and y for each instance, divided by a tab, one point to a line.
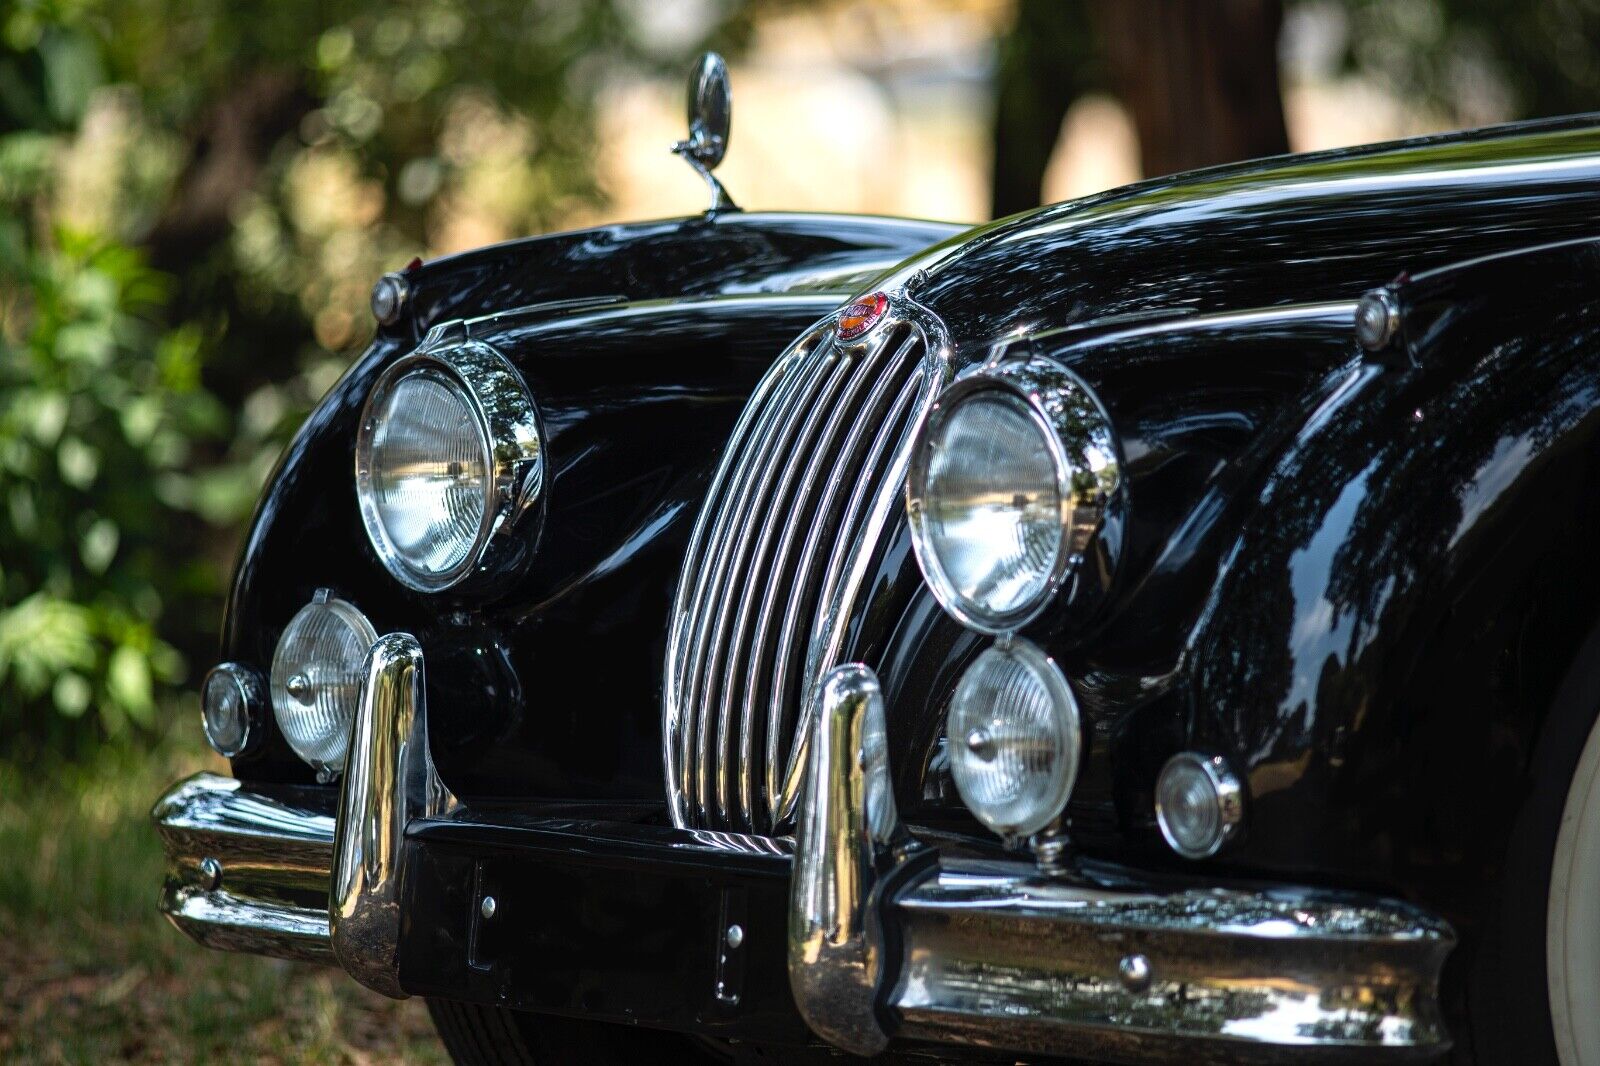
90	973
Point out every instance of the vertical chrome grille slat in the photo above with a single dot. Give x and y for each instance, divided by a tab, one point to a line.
793	500
797	501
792	433
790	644
828	630
677	648
692	771
723	538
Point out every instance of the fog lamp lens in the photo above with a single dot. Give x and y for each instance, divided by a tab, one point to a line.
1199	804
317	673
231	701
1014	739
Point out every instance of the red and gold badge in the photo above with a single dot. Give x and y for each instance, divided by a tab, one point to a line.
862	316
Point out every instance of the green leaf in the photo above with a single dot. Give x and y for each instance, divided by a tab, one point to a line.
128	683
79	463
42	637
71	695
98	545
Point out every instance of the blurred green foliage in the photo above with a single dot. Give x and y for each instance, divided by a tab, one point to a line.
194	200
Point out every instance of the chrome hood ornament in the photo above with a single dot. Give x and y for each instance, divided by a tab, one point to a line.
710	118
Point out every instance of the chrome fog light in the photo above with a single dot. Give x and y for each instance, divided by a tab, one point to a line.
448	460
317	673
232	699
1199	804
1015	739
1009	479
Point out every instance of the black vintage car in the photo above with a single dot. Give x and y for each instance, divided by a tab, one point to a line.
1160	626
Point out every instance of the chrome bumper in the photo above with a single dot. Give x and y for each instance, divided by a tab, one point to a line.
885	939
247	872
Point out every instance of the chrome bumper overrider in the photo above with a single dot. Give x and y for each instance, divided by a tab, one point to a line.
886	940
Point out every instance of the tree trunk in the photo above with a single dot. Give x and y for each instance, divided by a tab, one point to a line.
1047	59
229	149
1200	78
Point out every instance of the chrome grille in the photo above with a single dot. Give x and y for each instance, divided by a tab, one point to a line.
810	479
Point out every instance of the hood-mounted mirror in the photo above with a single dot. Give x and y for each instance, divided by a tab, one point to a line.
710	118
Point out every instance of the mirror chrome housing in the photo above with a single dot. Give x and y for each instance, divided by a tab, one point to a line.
710	121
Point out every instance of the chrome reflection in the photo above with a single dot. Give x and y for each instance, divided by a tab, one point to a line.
389	780
995	955
837	953
271	895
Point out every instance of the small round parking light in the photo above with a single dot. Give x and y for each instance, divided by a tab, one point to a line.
232	700
1199	804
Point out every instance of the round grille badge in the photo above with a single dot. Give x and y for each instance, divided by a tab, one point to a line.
861	316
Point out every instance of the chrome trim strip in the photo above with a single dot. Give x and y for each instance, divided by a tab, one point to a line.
885	365
791	636
245	872
791	436
713	583
822	424
997	955
389	779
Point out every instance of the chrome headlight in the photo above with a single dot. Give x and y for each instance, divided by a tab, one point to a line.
317	673
1015	739
448	461
1010	477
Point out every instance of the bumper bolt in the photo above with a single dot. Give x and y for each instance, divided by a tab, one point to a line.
1135	972
488	907
1377	319
210	874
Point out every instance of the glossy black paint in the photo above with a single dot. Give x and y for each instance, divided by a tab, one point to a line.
536	695
1290	230
723	254
626	923
1358	577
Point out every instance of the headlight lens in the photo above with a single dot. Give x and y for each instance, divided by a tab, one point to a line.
317	673
991	505
1014	739
428	478
448	460
1009	482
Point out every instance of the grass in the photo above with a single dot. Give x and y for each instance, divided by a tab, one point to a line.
90	972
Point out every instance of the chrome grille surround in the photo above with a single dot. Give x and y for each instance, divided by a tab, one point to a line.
808	485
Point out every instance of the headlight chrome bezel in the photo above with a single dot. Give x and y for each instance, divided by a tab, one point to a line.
508	426
1084	450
